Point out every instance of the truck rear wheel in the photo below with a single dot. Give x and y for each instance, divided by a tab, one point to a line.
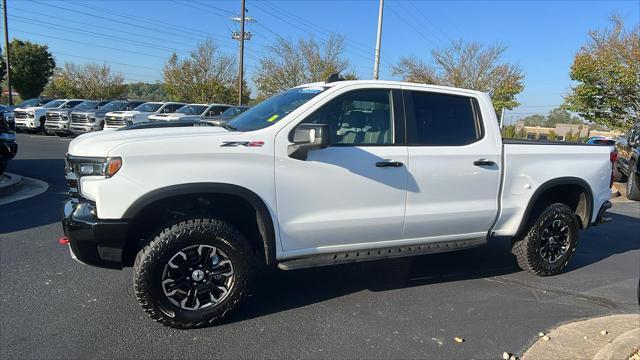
549	240
193	273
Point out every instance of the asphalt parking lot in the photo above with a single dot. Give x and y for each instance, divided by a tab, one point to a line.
53	307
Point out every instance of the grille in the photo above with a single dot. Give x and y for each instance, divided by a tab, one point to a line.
54	117
20	115
115	121
79	118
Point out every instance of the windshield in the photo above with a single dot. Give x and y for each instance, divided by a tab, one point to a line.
87	105
30	102
232	112
148	107
53	104
273	109
192	109
113	106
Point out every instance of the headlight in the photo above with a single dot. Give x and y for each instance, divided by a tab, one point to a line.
65	116
31	115
92	119
82	166
129	119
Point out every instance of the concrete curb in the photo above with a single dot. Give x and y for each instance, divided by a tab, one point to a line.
28	187
626	343
9	183
586	338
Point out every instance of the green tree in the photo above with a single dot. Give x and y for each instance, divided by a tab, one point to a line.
470	66
509	132
561	116
31	66
3	65
90	81
206	76
607	69
291	63
535	120
147	91
552	135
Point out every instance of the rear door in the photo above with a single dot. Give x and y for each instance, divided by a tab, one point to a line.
454	173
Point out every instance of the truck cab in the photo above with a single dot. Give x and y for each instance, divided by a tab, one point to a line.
141	113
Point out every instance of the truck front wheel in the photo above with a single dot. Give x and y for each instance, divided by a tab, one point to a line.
549	240
193	273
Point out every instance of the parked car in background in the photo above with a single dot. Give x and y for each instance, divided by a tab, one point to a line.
33	118
141	113
227	115
600	140
83	121
192	112
8	145
57	121
628	163
318	175
7	113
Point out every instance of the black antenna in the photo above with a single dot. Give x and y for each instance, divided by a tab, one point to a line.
334	77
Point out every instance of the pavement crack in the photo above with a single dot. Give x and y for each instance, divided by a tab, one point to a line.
549	290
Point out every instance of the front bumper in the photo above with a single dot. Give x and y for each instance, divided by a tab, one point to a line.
81	129
93	241
26	124
56	126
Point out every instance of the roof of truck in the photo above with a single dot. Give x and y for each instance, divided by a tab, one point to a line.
345	83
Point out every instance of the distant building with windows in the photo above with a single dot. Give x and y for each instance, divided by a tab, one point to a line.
562	131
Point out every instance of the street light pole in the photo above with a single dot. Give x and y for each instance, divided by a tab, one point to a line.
376	62
240	70
6	49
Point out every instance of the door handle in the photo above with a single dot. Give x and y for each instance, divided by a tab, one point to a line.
483	162
389	163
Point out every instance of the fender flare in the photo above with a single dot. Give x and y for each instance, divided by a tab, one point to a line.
569	180
263	215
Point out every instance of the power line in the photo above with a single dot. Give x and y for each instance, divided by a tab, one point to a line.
418	31
429	21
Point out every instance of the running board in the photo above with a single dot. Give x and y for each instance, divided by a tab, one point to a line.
378	254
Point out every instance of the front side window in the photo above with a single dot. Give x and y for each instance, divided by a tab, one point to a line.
113	106
442	120
171	108
148	107
217	110
361	117
273	109
72	104
131	105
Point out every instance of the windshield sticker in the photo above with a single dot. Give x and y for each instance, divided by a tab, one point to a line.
311	90
273	118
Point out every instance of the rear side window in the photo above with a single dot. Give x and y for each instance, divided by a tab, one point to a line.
441	119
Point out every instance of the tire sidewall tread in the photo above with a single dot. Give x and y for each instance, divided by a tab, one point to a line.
152	258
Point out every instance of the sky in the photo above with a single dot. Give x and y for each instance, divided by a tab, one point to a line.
136	37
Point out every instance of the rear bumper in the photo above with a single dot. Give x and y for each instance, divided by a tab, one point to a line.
602	218
93	241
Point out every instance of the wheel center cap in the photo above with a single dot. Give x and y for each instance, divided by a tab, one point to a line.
197	275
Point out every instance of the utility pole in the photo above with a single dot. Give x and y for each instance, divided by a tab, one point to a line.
376	62
240	70
6	49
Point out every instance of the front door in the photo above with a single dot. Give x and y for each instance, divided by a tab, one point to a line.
352	193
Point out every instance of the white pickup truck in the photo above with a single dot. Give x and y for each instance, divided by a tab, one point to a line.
141	113
322	174
191	112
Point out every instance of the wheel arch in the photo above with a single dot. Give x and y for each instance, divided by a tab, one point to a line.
572	191
263	219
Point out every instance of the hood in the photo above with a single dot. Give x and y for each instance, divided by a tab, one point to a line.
125	113
173	116
100	143
31	108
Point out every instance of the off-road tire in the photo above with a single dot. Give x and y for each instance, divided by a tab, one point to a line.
633	187
526	248
151	260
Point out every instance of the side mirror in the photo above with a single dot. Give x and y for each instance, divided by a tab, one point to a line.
307	137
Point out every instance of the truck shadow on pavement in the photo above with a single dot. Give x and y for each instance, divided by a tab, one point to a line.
43	209
279	291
